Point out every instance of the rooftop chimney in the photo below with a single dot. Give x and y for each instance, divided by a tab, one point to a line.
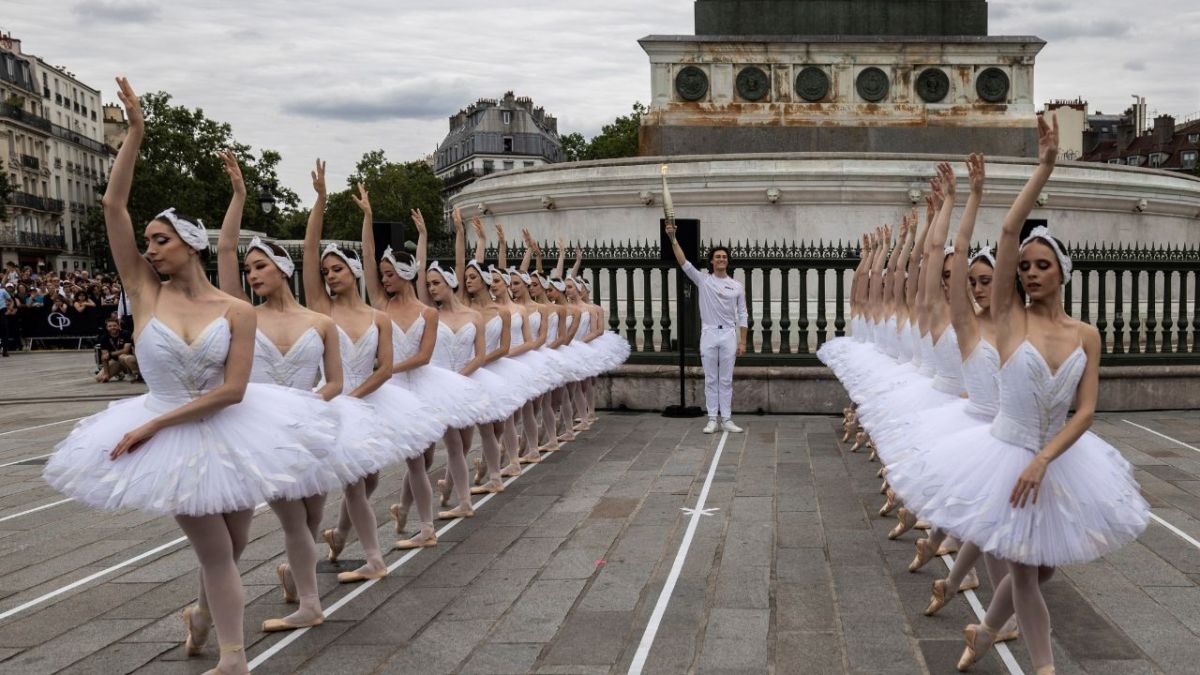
1164	129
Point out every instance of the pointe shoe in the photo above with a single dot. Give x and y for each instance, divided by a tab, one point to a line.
529	459
883	488
444	490
922	525
1010	631
509	471
196	637
972	653
480	472
280	625
890	505
459	511
231	649
567	437
949	546
356	576
969	582
924	555
549	447
400	515
335	546
430	539
858	441
907	520
283	571
488	488
874	456
882	472
938	598
1045	670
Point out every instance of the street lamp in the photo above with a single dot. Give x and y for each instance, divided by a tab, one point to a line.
266	200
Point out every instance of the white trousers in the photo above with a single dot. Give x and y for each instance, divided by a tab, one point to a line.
718	349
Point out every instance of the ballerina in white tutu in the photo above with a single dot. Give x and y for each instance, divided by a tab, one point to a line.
204	445
1036	489
459	401
557	343
292	346
409	425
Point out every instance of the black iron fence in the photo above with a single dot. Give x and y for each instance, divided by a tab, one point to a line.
1143	300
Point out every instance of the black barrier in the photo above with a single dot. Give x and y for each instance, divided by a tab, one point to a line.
43	323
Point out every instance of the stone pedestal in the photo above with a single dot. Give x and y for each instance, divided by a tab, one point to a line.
841	17
715	94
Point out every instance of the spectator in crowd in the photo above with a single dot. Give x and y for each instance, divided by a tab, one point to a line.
6	309
116	353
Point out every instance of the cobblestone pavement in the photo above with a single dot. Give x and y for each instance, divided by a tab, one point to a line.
788	568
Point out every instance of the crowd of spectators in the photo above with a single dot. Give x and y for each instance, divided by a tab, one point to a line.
74	304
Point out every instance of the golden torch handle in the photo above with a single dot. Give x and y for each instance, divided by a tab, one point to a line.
668	205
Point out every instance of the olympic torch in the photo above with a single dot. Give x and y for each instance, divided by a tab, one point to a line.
668	205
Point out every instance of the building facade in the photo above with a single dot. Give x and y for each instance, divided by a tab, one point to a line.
53	154
1168	145
496	135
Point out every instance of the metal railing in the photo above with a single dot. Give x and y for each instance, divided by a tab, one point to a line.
35	240
1143	300
25	117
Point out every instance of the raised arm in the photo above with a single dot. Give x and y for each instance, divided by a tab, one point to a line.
480	239
562	256
578	266
529	246
314	288
962	310
933	299
460	255
912	283
370	259
675	247
229	273
908	236
501	248
137	275
422	253
1008	246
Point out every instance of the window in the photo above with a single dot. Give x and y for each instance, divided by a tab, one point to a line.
528	165
1157	159
1116	160
489	166
1136	160
506	116
1193	138
1188	160
508	165
508	143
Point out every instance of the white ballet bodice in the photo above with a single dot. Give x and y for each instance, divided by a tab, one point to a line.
299	368
904	349
358	358
928	366
535	324
890	344
856	329
491	333
981	371
948	364
552	328
454	351
1034	401
405	345
585	321
515	326
176	372
914	337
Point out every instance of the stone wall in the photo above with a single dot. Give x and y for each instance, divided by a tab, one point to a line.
841	17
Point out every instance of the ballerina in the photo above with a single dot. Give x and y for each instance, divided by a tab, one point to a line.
1034	489
292	346
365	336
204	445
459	402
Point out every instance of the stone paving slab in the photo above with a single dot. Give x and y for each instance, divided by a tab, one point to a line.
791	573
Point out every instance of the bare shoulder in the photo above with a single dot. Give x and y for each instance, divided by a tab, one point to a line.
324	325
240	311
429	314
1089	335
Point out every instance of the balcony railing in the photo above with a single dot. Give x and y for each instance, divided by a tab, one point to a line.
28	201
32	240
30	162
25	117
77	138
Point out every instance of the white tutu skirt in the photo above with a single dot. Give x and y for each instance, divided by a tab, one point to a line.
503	398
459	401
588	358
615	347
910	433
549	376
523	380
272	445
570	370
409	425
882	414
362	440
1089	504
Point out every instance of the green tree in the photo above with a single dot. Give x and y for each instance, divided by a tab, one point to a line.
616	139
5	192
396	189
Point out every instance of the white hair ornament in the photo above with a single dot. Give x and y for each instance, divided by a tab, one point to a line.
283	262
192	233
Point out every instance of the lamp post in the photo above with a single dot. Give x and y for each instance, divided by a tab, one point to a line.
266	199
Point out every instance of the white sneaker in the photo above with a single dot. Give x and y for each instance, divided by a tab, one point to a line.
729	426
711	427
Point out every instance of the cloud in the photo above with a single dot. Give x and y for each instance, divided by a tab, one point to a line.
412	100
1137	66
121	11
1071	30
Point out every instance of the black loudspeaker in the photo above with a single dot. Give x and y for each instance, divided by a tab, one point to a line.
687	233
388	234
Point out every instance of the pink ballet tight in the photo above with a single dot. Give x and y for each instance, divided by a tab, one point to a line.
457	442
218	541
362	517
300	520
417	487
530	424
491	449
345	525
548	427
1021	592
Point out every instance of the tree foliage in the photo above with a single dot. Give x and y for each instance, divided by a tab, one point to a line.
619	138
5	192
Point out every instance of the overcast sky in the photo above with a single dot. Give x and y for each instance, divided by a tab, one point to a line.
338	78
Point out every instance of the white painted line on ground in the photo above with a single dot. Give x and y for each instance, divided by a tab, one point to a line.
1161	435
35	509
1002	649
27	459
40	426
362	588
92	577
1183	535
664	598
